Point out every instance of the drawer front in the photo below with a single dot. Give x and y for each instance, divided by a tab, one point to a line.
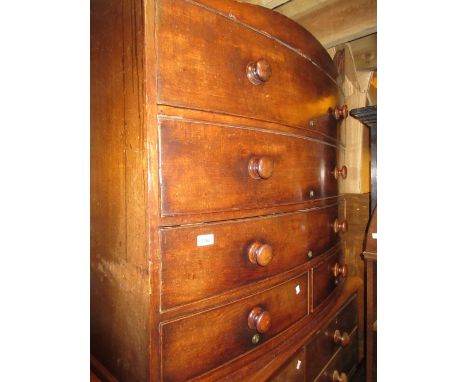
196	344
324	344
202	261
202	64
344	361
211	168
326	279
293	370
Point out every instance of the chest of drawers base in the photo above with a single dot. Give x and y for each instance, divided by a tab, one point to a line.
216	219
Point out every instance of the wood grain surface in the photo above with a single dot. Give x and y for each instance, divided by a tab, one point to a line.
201	79
198	343
204	169
190	271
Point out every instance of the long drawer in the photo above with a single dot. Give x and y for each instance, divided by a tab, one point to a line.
335	335
213	77
208	168
198	343
239	252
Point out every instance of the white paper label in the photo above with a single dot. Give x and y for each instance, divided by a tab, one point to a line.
203	240
374	235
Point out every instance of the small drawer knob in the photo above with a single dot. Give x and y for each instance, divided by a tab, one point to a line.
340	270
339	377
341	339
259	71
261	168
260	253
259	319
343	172
340	226
340	112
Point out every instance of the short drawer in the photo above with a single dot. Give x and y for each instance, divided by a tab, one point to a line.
293	370
203	60
201	261
344	362
326	276
195	344
328	340
208	168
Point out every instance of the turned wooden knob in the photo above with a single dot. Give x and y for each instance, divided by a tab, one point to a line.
261	168
259	319
340	112
343	172
341	339
340	226
260	253
259	71
340	270
339	377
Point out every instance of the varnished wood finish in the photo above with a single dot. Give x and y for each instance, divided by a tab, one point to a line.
205	169
345	361
324	279
258	71
260	253
293	370
196	344
185	144
280	28
188	269
259	319
323	346
262	362
210	81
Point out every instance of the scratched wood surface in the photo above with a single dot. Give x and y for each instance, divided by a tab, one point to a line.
127	322
201	342
322	347
187	269
204	169
211	82
119	266
275	25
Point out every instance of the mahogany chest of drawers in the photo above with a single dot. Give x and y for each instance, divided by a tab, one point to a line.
215	213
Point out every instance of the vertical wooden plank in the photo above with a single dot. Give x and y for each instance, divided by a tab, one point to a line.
119	266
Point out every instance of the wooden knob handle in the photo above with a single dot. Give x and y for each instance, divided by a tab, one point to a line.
259	319
340	226
343	172
260	253
341	339
259	71
261	168
339	377
340	112
340	270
